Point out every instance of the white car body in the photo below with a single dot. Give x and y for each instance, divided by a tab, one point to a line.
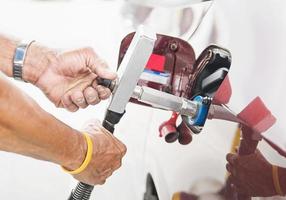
241	27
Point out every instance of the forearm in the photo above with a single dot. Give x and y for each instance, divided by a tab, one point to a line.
37	58
7	50
28	130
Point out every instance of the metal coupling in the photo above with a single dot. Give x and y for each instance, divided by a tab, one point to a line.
166	101
189	108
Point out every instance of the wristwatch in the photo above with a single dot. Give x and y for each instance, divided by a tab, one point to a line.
19	59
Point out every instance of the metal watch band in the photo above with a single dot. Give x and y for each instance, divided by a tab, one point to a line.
19	59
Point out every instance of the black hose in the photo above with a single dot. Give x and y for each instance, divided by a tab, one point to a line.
81	192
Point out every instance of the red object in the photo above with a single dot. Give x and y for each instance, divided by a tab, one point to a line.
156	62
185	136
223	94
168	129
257	116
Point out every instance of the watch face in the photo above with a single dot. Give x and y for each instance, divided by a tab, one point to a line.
18	61
19	54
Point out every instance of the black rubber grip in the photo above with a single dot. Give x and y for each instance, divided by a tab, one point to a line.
105	82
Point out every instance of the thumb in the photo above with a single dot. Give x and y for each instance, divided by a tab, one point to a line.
97	65
231	158
100	68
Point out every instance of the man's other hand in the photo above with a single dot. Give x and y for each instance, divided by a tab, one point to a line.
251	174
68	78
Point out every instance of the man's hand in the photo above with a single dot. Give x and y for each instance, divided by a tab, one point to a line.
67	79
107	155
251	174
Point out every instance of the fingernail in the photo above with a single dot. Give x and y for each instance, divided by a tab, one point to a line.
103	94
72	108
92	99
100	90
80	100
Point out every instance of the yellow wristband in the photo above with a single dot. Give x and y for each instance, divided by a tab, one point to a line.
87	157
276	181
176	196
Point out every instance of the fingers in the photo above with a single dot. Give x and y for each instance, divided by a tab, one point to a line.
91	96
231	158
80	89
104	175
119	150
234	182
103	92
231	180
228	168
236	185
122	148
117	143
100	68
68	103
107	154
78	70
107	173
78	99
117	165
